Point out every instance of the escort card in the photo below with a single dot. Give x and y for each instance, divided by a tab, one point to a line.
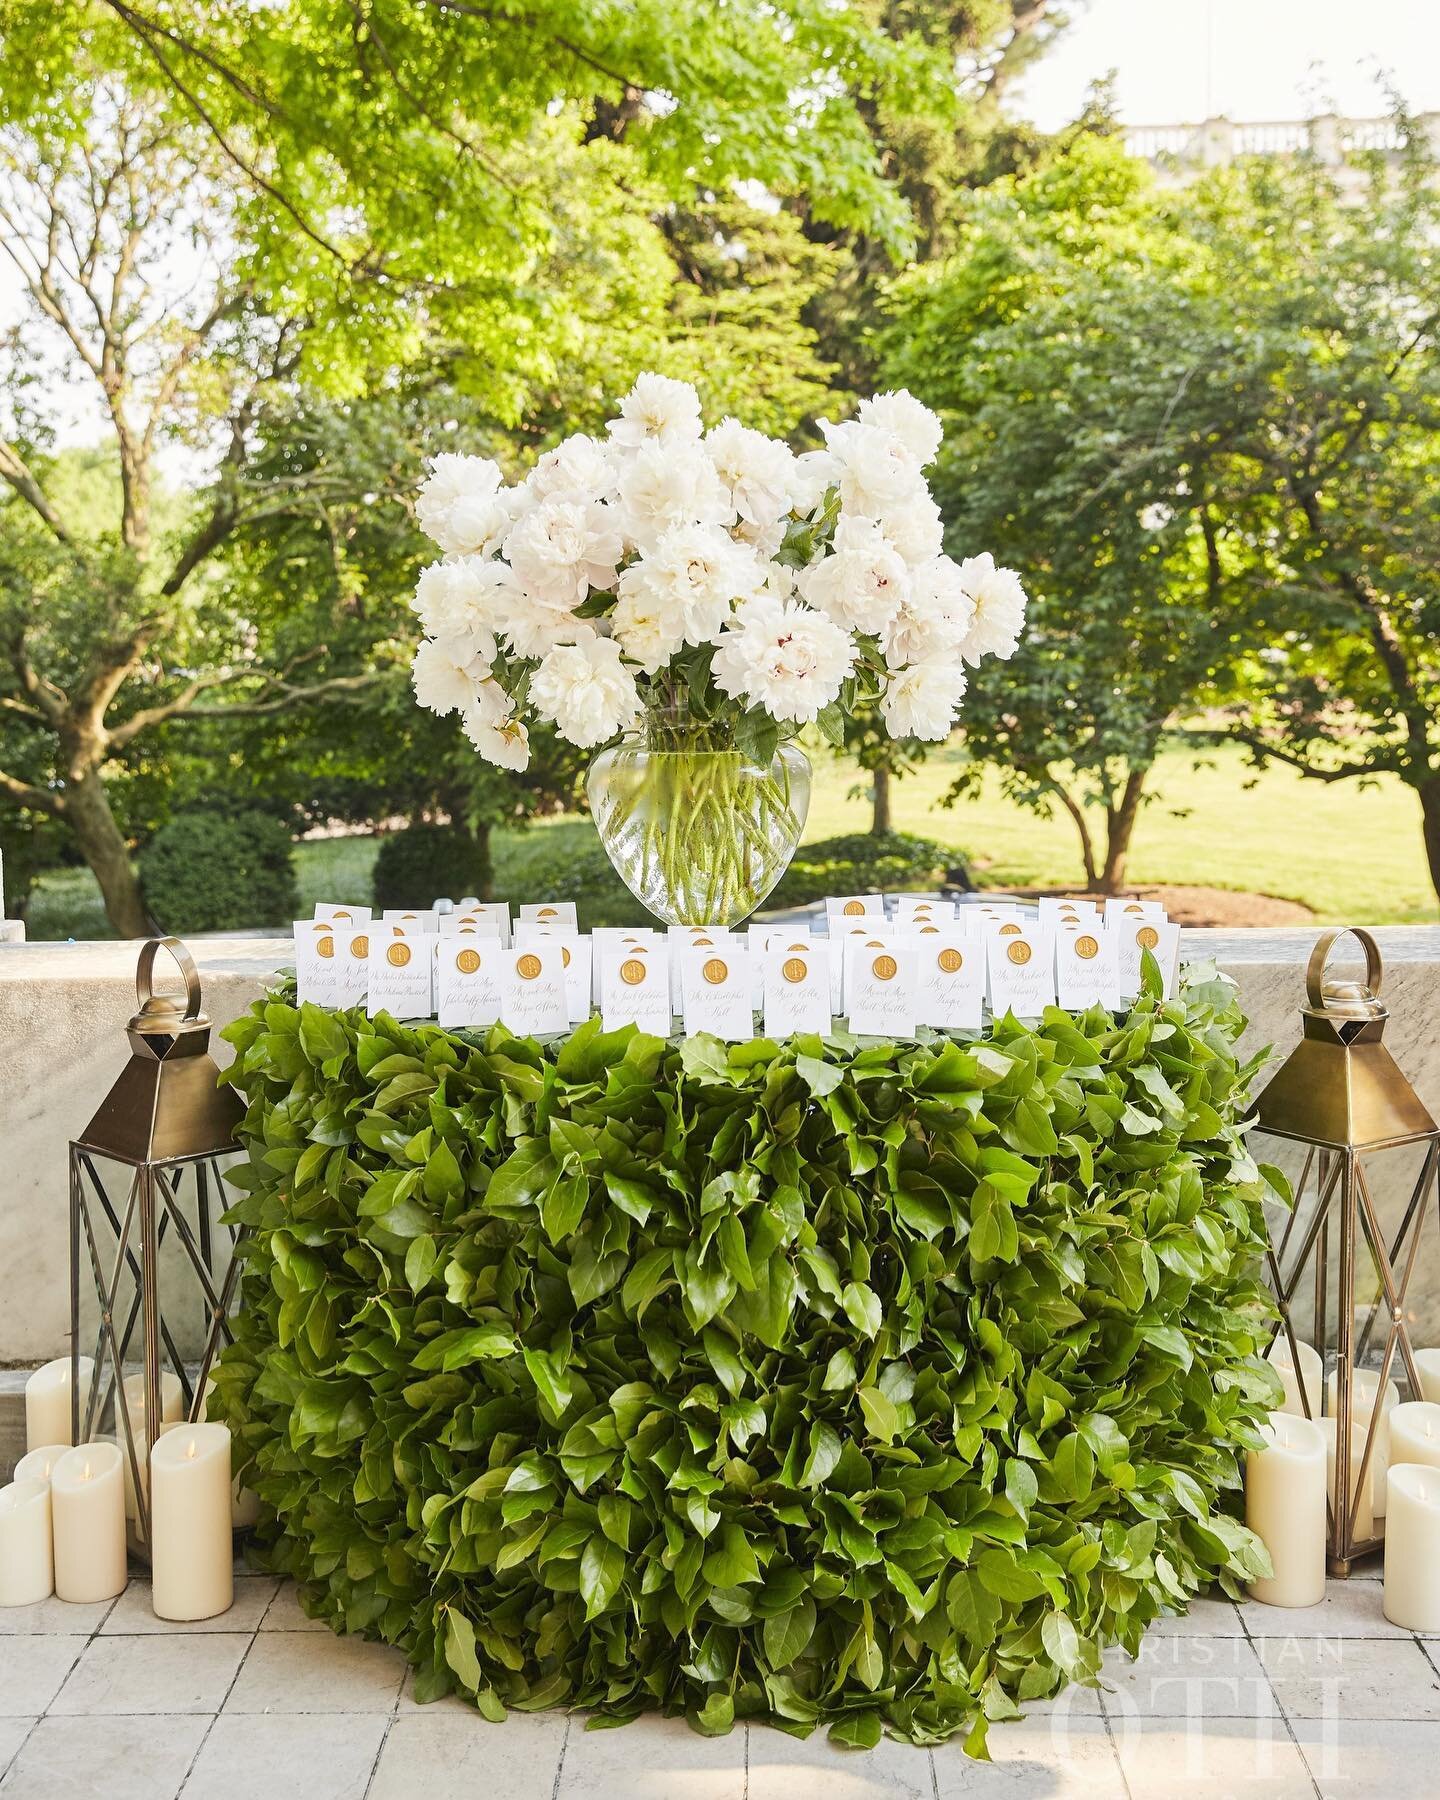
909	911
880	987
451	924
635	988
1086	968
1058	912
844	953
575	954
400	970
1021	968
318	968
423	919
679	939
1132	939
1119	909
484	915
797	989
603	940
469	979
551	912
532	997
950	981
342	915
715	990
854	906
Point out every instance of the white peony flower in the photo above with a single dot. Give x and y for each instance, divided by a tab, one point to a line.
754	470
695	573
999	608
901	416
784	657
934	619
657	409
877	473
562	549
445	675
915	529
646	628
500	738
811	478
461	504
533	628
581	468
664	485
765	540
863	583
467	598
922	701
585	691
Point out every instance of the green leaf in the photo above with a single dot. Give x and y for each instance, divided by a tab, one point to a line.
602	1568
881	1419
420	1259
716	1716
862	1307
460	1649
1061	1641
787	1634
859	1731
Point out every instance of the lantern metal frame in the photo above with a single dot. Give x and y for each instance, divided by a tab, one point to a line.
1342	1095
166	1119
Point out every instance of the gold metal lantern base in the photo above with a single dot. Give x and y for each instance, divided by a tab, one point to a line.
1342	1096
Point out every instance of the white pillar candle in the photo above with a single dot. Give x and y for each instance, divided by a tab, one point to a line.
1415	1433
1363	1525
36	1465
27	1568
192	1557
1412	1547
1285	1508
172	1409
47	1402
1310	1375
1364	1390
87	1499
1427	1367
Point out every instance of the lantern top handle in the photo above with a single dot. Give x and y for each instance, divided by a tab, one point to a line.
161	1012
1346	998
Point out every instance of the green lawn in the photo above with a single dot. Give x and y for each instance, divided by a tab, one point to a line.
1350	854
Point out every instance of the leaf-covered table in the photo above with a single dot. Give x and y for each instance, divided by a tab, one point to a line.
825	1381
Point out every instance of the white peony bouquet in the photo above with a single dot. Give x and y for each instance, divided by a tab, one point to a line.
715	572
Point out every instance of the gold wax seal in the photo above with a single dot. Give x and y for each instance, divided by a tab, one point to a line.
325	946
925	930
1133	907
1147	937
799	946
360	948
1009	931
1019	953
547	912
528	967
794	969
950	961
468	961
714	971
340	914
884	968
696	943
564	957
632	971
398	955
854	908
1086	947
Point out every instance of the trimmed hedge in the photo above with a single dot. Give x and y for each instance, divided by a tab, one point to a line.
864	862
874	1386
415	866
213	871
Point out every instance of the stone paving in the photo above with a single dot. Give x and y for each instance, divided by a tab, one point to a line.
263	1704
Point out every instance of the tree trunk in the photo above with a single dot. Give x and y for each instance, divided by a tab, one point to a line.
87	812
1121	826
880	793
1087	845
1429	791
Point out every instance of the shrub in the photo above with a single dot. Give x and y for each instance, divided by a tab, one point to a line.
416	865
207	871
568	862
865	862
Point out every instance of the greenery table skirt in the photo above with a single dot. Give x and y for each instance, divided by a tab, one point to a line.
819	1382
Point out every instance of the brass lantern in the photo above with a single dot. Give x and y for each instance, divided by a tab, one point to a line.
1341	1097
146	1169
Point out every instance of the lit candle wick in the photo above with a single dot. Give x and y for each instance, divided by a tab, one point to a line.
86	1475
190	1448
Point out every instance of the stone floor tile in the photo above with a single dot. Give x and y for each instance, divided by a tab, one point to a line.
451	1703
49	1617
292	1671
1352	1759
133	1614
13	1733
1199	1677
284	1613
1351	1678
1072	1702
787	1768
119	1759
440	1756
1212	1759
177	1674
653	1759
1054	1759
1350	1609
1207	1617
288	1756
32	1671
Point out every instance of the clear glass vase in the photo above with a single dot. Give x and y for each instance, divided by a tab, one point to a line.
699	832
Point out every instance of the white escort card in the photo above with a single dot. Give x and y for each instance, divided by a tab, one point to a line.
342	915
551	912
635	988
680	938
532	1000
487	918
797	988
401	968
412	920
469	979
1118	909
1087	972
319	967
1021	968
605	938
950	980
853	906
715	990
1054	913
880	987
1132	939
909	912
575	953
845	951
